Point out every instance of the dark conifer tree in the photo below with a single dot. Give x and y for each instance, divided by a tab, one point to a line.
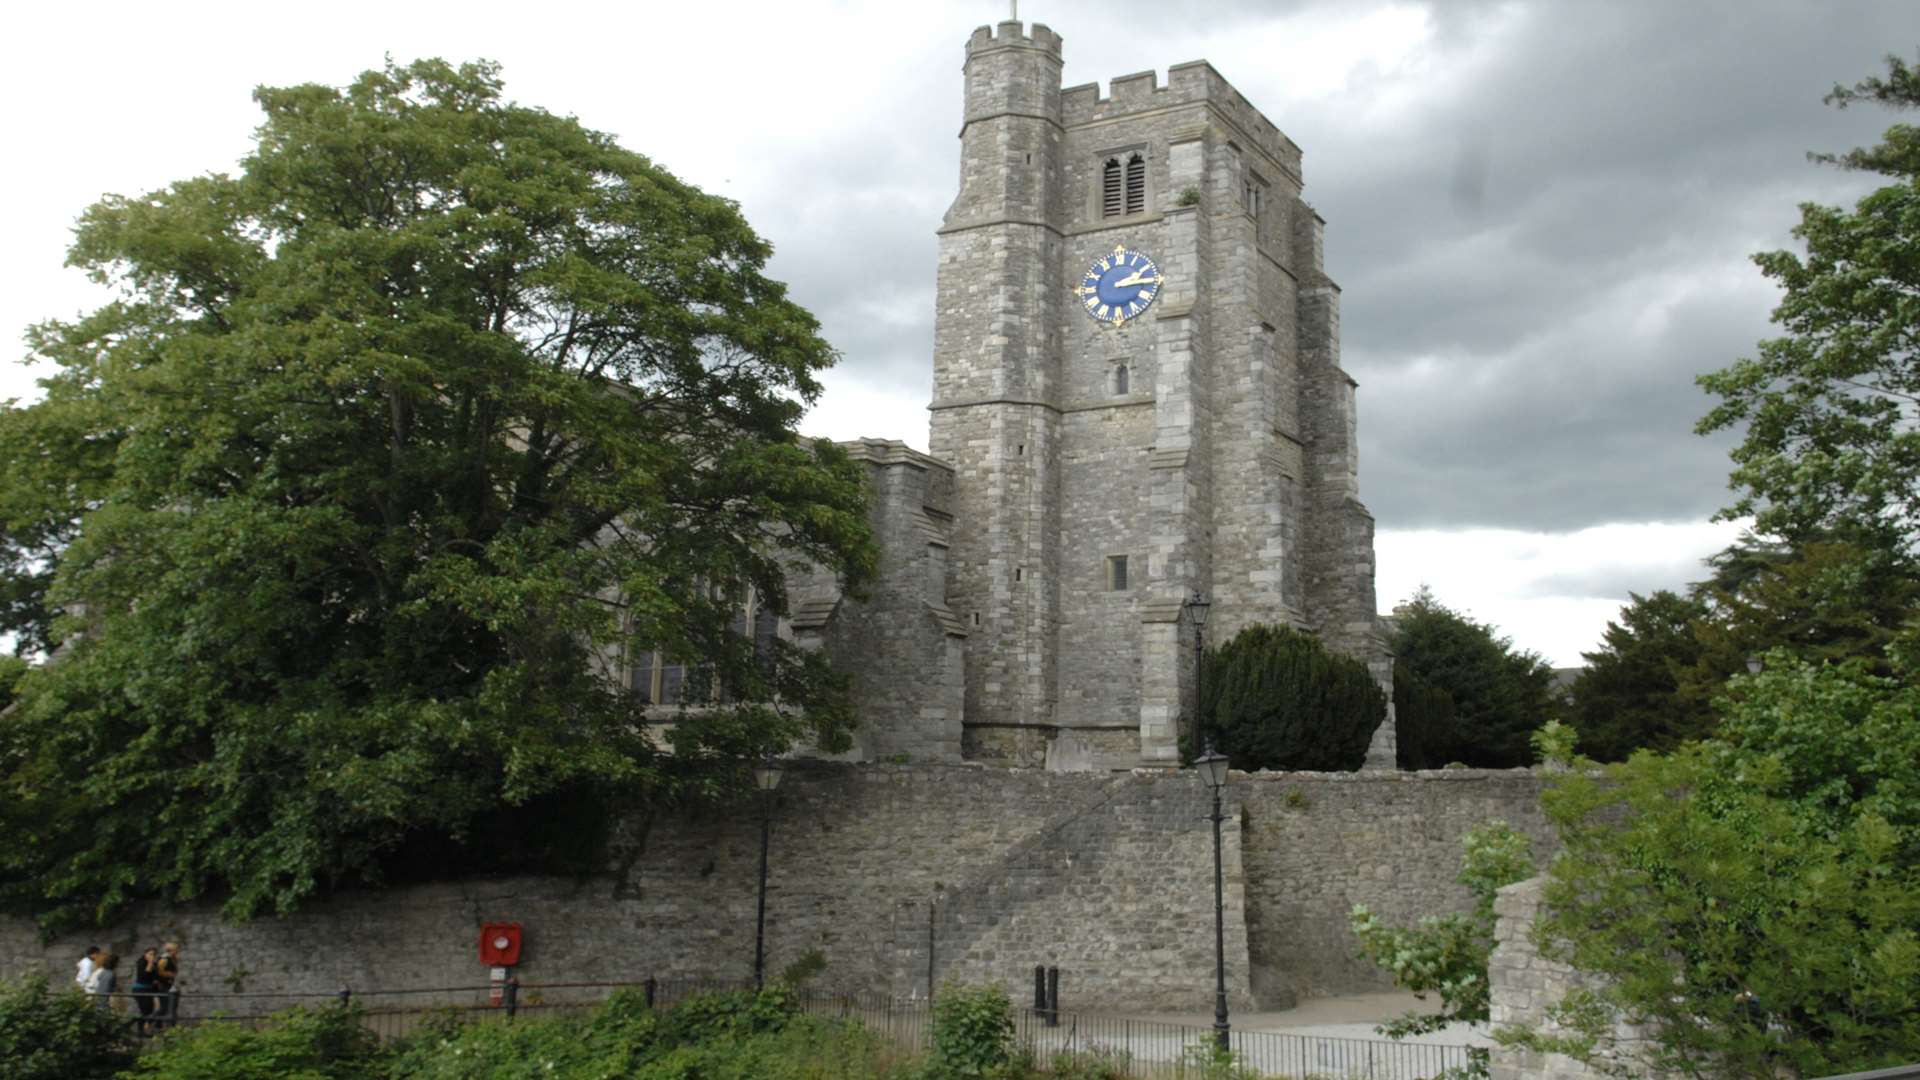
1277	699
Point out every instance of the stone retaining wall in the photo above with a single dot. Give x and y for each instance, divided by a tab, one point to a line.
1107	875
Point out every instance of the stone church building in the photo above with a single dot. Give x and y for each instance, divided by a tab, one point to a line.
1137	396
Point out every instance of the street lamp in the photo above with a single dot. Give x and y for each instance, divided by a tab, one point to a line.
766	777
1197	606
1213	766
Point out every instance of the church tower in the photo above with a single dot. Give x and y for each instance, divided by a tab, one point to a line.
1137	385
996	418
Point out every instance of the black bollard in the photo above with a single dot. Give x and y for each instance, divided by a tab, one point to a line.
652	987
513	996
346	996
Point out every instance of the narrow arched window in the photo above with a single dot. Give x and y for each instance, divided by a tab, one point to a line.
1112	196
1136	184
1120	378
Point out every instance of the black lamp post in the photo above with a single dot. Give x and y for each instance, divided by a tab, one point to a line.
1213	766
766	777
1197	606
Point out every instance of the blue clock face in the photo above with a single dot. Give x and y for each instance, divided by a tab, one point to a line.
1119	286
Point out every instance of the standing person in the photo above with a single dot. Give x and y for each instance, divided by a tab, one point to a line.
146	985
83	972
165	975
103	980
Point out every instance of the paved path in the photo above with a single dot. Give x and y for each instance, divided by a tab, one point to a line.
1322	1038
1351	1017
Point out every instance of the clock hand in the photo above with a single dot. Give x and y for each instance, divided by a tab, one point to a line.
1137	279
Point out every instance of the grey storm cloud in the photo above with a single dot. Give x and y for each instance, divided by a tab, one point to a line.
1502	233
1538	252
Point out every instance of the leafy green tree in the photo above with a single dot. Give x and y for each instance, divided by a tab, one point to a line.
12	670
1778	859
1277	699
1830	446
394	445
1494	696
1653	683
1627	697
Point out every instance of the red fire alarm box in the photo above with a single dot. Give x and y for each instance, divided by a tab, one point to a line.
500	944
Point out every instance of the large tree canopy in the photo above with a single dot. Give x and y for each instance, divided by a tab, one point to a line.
1628	697
1750	901
1461	693
393	446
1779	858
1831	442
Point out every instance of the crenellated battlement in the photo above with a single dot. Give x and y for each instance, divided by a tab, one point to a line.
1009	34
1190	83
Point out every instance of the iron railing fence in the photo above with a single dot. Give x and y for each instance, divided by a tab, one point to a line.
1149	1050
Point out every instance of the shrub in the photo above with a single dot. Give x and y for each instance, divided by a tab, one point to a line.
1205	1060
808	1048
972	1032
528	1047
625	1013
805	969
1277	699
50	1034
700	1018
298	1044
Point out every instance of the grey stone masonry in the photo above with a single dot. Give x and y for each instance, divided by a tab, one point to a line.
1206	445
996	420
1107	875
1522	985
902	645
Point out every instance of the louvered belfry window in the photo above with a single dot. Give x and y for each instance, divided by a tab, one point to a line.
1111	198
1123	187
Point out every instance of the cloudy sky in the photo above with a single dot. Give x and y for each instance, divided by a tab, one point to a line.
1540	212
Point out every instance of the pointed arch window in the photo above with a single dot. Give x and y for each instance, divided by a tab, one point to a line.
656	678
1120	378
